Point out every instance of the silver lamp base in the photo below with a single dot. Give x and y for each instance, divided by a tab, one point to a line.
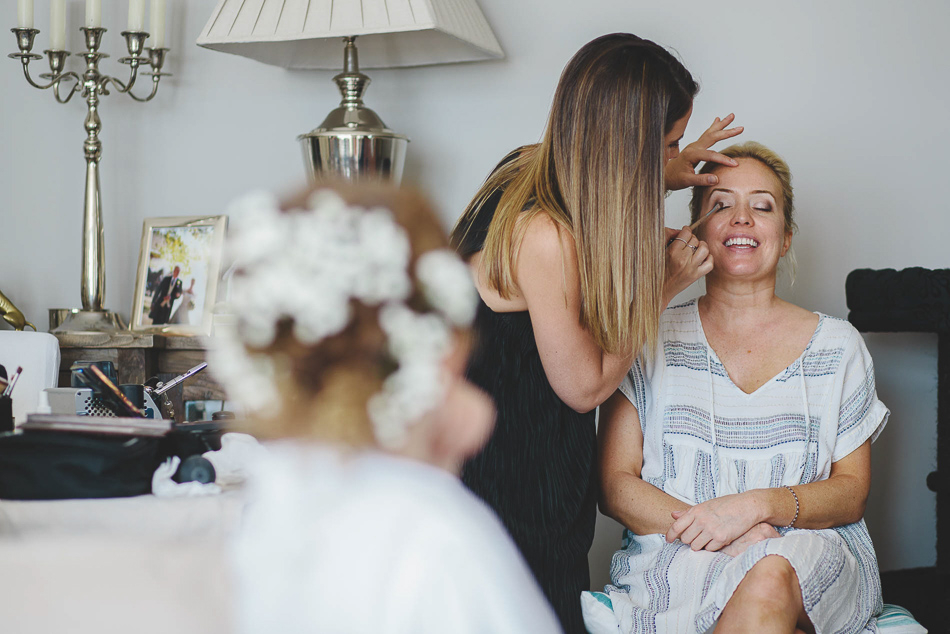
354	155
90	321
353	142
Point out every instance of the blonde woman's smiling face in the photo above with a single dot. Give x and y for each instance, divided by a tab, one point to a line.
747	238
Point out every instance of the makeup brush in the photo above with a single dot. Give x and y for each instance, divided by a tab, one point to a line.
702	219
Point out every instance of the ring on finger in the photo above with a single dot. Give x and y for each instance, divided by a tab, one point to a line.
693	247
681	240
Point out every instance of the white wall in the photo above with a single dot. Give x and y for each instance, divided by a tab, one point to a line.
853	93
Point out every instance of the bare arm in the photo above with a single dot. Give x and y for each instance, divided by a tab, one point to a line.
839	500
639	506
580	372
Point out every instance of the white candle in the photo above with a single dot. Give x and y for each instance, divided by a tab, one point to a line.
136	15
157	26
57	25
24	14
93	13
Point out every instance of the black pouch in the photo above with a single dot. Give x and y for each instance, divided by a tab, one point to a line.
57	465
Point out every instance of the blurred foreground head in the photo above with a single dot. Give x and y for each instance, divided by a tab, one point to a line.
352	323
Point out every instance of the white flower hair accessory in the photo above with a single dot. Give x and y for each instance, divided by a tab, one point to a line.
447	284
307	266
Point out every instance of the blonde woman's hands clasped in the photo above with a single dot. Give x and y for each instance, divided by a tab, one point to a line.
759	532
680	172
687	260
730	520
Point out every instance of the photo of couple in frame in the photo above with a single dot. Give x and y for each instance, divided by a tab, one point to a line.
179	266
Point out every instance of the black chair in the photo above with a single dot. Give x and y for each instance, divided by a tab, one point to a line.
915	300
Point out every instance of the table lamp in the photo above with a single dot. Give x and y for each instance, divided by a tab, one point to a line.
352	142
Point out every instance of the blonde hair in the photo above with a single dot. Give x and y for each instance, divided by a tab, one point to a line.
777	165
325	387
598	174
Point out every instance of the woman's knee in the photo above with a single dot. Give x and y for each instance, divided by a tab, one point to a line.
773	580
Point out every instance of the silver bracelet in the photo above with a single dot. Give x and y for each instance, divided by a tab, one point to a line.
797	507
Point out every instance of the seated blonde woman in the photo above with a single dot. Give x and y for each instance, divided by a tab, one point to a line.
350	348
738	453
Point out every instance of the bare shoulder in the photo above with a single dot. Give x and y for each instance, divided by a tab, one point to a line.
544	244
493	299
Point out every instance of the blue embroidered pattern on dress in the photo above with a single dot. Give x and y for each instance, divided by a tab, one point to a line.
778	471
639	389
706	618
822	577
715	569
742	467
858	540
704	482
810	472
657	579
739	433
856	406
817	363
690	355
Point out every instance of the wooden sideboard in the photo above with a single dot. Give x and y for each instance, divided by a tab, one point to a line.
140	356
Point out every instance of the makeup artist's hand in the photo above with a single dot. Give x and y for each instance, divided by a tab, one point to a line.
681	171
687	260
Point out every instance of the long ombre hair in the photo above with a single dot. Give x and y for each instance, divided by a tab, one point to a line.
598	173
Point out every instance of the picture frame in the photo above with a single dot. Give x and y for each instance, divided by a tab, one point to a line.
194	246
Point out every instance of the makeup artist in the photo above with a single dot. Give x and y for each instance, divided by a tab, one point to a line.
566	243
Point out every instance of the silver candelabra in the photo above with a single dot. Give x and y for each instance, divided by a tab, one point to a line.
92	84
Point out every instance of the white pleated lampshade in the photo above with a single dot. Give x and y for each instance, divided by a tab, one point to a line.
392	33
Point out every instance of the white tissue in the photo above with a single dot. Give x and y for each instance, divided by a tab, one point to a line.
238	452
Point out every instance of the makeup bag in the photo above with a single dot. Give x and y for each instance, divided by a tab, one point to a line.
56	465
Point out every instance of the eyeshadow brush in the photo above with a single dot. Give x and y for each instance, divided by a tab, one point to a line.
702	219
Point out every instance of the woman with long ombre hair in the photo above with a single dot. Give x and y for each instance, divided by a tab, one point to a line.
566	242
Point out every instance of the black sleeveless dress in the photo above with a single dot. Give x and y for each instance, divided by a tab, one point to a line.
538	468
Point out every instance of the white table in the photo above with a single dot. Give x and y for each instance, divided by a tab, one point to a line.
125	565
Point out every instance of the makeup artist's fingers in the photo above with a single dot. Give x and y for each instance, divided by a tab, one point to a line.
722	135
712	156
726	120
685	234
687	260
706	265
701	252
718	131
722	123
692	179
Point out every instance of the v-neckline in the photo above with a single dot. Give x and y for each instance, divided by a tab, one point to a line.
715	357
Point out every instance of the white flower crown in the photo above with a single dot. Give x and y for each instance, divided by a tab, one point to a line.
307	266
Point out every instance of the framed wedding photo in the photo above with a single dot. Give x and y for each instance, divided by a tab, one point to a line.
176	284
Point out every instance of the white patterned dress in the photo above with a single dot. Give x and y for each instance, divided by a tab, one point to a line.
789	431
